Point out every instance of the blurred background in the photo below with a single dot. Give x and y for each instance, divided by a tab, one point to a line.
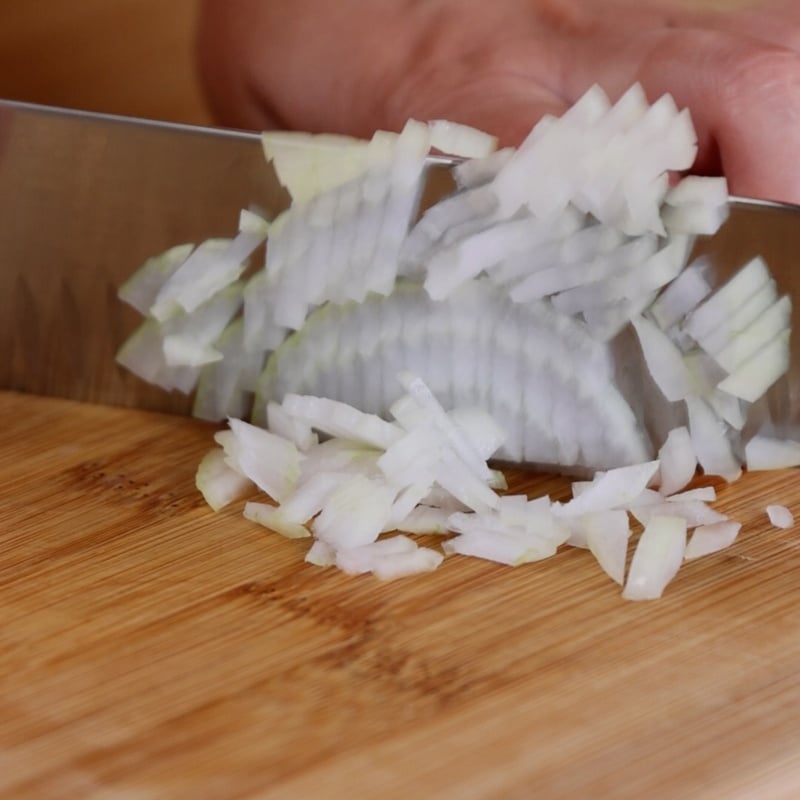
116	56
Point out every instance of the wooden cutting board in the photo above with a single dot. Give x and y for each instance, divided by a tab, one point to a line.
152	649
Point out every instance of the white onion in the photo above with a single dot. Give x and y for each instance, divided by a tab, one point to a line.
271	517
461	140
269	461
693	512
217	482
544	254
607	534
736	292
767	453
355	513
616	488
212	266
657	558
708	539
677	459
755	376
142	288
780	516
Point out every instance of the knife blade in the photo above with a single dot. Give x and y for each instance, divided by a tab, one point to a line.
85	198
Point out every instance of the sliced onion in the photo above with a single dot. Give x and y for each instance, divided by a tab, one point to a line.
678	462
657	558
607	534
780	516
269	461
766	453
708	539
271	517
219	483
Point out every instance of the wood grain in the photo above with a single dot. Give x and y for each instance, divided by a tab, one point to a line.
152	649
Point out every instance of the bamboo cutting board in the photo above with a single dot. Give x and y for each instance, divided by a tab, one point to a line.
152	649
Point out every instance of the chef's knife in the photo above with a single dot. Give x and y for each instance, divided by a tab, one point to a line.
85	198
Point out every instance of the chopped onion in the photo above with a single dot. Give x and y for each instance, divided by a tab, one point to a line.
461	140
657	558
780	516
752	379
269	461
271	517
607	534
766	453
677	460
321	554
693	512
616	488
505	301
708	539
219	483
355	513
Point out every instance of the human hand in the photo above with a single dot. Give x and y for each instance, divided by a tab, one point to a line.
355	66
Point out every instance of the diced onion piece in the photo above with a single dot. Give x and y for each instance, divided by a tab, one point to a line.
678	461
708	539
400	565
710	441
461	445
753	378
695	218
339	419
307	164
461	482
143	355
615	488
478	171
706	494
664	360
694	189
280	422
766	453
780	516
740	347
251	222
741	318
456	139
142	288
607	534
180	351
270	461
694	512
271	517
310	495
321	554
657	558
414	458
355	513
361	559
215	264
484	433
682	296
425	519
217	482
504	548
737	291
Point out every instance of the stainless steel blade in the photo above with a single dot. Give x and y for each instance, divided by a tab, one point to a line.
771	230
84	199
